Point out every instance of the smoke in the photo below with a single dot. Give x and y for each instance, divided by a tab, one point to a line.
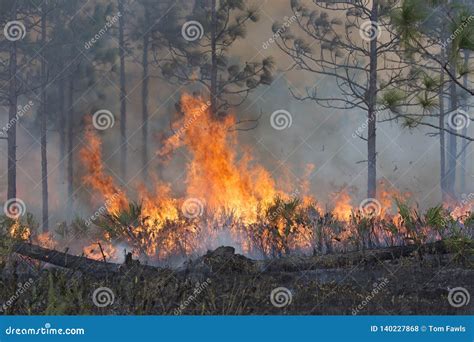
409	160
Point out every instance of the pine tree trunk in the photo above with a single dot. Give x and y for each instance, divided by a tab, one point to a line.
464	145
146	40
44	161
442	143
372	118
70	156
61	126
123	94
61	116
12	116
452	143
213	58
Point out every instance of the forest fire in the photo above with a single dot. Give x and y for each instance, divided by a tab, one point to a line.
232	157
229	198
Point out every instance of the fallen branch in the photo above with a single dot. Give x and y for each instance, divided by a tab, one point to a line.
79	263
371	256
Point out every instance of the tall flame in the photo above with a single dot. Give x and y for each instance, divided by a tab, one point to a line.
215	174
95	176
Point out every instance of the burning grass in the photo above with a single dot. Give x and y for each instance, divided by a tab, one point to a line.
285	227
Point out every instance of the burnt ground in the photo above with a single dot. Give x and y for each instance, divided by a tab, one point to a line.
224	283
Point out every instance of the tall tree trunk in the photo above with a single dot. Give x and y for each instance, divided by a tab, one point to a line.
464	144
452	142
213	58
61	126
61	115
70	156
12	115
123	94
442	135
372	119
146	40
44	161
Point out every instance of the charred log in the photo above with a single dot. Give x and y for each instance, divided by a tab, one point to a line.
367	257
78	263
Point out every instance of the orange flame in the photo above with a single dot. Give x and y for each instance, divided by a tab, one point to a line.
93	251
214	174
95	176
